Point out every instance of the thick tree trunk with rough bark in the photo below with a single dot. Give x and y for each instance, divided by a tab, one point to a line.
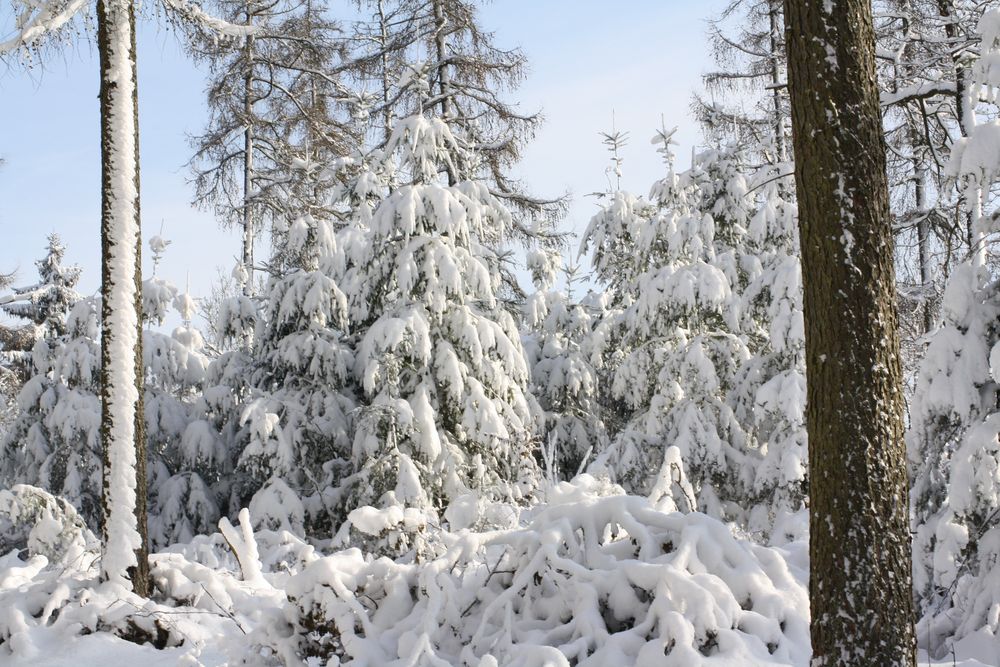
862	610
125	551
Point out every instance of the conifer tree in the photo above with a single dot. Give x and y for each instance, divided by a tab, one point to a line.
671	339
440	363
47	302
186	457
770	391
466	74
558	341
275	113
954	420
54	439
746	99
295	421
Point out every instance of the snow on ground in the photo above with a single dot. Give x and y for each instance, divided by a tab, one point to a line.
593	577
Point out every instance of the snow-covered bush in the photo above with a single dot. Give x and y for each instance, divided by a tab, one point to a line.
43	525
591	579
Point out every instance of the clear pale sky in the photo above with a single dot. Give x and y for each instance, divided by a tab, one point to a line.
638	58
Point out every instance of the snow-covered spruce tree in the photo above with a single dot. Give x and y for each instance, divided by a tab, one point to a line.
440	362
44	304
186	456
564	382
54	440
468	75
295	421
671	339
47	302
954	416
769	394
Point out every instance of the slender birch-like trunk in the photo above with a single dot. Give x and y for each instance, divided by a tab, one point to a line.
125	551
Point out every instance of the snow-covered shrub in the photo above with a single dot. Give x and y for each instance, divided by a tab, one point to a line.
591	579
43	525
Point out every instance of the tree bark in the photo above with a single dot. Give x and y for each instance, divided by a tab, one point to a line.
125	545
862	609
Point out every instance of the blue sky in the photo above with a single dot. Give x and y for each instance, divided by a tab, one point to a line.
637	58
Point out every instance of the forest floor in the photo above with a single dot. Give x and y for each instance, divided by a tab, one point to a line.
593	577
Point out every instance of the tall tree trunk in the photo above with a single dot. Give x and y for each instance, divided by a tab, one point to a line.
963	106
774	23
248	221
125	557
443	75
384	36
923	231
859	588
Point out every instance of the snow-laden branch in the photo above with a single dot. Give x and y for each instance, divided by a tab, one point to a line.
192	13
38	19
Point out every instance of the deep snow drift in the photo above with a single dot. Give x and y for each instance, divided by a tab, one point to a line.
592	577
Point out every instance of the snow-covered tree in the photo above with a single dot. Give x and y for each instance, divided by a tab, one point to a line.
954	418
769	395
187	459
439	361
671	339
54	441
46	303
564	382
746	100
295	422
467	75
275	112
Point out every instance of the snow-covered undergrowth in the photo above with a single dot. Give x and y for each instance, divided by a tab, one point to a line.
593	577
